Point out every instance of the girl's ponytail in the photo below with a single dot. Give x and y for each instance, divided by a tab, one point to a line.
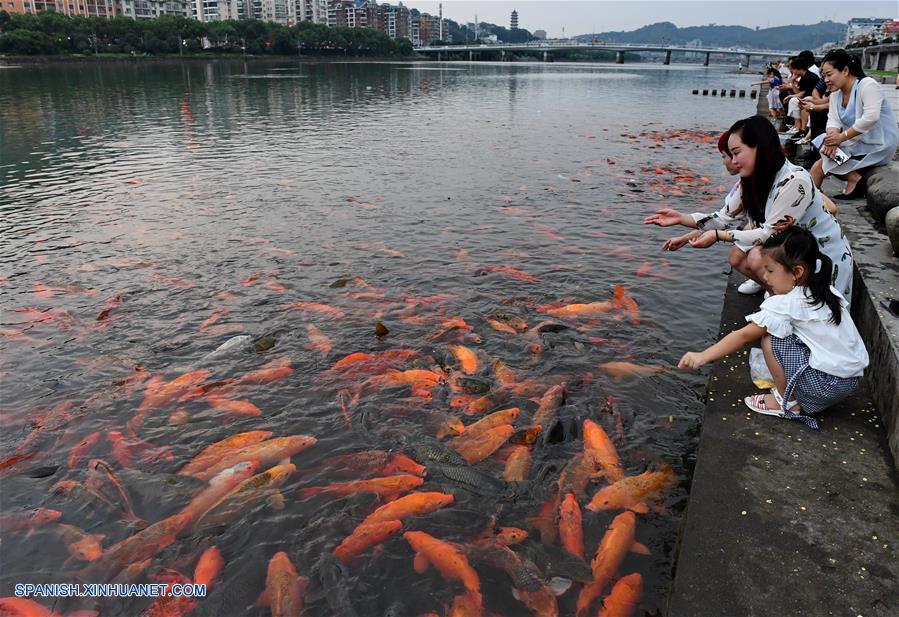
796	246
818	284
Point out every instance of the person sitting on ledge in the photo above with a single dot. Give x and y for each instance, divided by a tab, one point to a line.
811	346
805	82
860	124
770	192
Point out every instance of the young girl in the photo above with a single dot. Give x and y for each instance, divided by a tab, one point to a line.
811	346
775	108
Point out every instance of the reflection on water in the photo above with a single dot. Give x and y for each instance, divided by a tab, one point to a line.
153	212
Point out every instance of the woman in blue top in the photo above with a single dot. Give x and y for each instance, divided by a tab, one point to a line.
860	122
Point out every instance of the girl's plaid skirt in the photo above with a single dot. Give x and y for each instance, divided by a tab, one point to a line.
814	389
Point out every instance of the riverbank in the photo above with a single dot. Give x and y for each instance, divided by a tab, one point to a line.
175	58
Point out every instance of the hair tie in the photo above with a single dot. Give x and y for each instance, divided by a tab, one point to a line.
817	266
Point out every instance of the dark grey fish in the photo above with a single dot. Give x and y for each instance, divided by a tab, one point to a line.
474	385
264	343
333	579
397	609
432	451
468	478
42	472
552	327
553	561
524	573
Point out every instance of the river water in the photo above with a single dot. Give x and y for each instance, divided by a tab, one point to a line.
152	212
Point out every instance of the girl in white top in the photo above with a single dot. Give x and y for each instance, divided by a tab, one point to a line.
811	345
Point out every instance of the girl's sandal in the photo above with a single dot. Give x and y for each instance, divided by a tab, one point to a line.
757	403
780	401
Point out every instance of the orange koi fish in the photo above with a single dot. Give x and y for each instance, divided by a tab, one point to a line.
316	307
317	339
219	486
82	546
500	326
571	529
389	487
267	453
600	448
624	370
574	311
360	363
209	567
614	546
29	519
632	492
215	452
624	597
142	545
488	401
24	607
80	450
624	301
238	408
483	444
550	403
453	323
284	588
416	378
512	272
497	418
165	394
244	495
400	463
125	449
466	605
468	359
103	481
414	504
40	290
518	464
364	537
449	561
273	371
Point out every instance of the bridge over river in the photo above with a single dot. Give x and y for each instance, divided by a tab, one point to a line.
548	47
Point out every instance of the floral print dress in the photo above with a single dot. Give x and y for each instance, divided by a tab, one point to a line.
794	199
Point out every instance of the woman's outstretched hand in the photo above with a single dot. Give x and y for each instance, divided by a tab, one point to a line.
665	217
692	359
672	244
705	240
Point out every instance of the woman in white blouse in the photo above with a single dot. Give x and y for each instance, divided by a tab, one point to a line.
772	193
860	123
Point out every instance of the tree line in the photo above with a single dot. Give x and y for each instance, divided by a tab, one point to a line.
53	33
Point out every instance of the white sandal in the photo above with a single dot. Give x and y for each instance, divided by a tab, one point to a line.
757	403
780	400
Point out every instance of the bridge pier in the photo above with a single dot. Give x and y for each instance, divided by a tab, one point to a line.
619	57
668	56
470	55
502	55
745	60
547	57
706	62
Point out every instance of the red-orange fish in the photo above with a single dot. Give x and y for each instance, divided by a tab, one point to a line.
284	588
483	443
389	487
571	529
364	537
518	464
446	558
624	597
238	408
317	307
215	452
632	492
209	567
275	370
126	449
414	504
318	340
601	449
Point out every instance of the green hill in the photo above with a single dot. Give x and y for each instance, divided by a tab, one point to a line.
796	37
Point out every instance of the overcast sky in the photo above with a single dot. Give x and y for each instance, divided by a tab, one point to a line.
585	16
